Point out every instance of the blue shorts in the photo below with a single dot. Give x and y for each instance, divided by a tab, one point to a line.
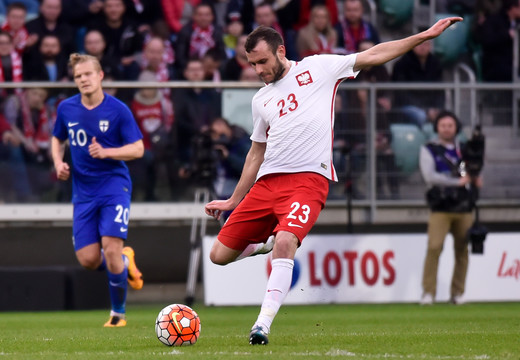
104	216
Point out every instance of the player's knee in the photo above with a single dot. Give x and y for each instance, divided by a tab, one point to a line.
285	245
89	263
112	253
217	258
435	250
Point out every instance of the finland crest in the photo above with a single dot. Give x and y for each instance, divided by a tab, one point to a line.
103	125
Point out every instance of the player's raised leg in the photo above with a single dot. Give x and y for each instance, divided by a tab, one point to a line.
257	249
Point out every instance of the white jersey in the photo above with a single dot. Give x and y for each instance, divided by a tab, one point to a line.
295	116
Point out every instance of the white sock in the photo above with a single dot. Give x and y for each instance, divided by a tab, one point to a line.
120	315
255	249
277	288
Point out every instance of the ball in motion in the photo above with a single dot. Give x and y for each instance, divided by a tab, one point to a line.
177	325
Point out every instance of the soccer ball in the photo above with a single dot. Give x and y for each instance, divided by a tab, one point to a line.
177	325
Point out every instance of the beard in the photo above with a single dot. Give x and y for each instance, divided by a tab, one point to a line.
49	56
278	71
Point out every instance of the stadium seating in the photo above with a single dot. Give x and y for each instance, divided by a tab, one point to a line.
451	44
396	12
428	132
406	143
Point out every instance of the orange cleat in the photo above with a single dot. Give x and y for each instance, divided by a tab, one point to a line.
135	277
115	321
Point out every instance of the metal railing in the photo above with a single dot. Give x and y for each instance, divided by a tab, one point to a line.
464	100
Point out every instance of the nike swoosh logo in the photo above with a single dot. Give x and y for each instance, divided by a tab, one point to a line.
122	229
267	102
294	225
71	124
270	290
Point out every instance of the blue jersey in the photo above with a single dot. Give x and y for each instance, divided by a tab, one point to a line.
113	125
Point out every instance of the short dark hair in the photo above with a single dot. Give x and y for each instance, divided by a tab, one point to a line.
16	5
446	113
267	34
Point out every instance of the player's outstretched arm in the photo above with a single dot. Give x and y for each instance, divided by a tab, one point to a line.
127	152
384	52
254	159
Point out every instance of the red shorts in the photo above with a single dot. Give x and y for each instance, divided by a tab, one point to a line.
288	202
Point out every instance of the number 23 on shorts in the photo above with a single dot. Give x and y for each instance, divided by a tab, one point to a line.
299	214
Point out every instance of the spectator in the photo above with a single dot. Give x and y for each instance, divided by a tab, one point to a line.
418	65
10	62
194	110
305	7
153	60
15	25
231	143
234	67
253	13
78	13
49	64
352	29
160	30
495	34
212	63
95	45
8	138
266	16
246	11
296	15
121	36
318	37
451	200
198	36
49	23
386	170
30	6
154	115
234	29
14	183
31	121
145	13
178	13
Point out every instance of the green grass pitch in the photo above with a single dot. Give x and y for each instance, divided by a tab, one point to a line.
393	331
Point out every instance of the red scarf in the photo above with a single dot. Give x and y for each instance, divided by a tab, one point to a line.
19	37
201	41
353	36
41	134
150	117
16	62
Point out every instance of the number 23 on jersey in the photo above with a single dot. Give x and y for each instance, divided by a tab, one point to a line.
291	102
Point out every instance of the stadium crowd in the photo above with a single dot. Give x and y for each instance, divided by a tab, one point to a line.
188	40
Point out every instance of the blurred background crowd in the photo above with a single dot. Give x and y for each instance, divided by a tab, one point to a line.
188	141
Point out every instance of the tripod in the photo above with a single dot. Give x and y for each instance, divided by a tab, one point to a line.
198	230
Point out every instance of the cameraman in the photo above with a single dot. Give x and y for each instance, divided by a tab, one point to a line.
451	198
231	143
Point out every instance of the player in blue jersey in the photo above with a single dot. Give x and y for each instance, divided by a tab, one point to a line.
102	134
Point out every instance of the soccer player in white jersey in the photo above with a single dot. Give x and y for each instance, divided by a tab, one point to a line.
287	169
102	135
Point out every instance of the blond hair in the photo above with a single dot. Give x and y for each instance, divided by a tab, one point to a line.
75	59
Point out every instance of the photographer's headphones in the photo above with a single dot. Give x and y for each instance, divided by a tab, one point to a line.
446	113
